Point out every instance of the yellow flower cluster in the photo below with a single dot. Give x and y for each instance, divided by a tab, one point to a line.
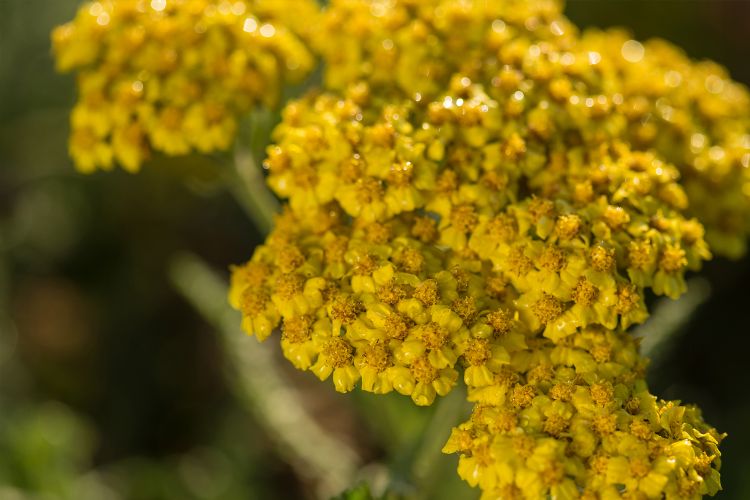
600	219
575	420
370	301
174	76
416	46
487	206
559	90
422	239
696	117
384	305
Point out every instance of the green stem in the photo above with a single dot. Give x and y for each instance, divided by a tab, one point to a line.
248	185
669	317
261	387
419	468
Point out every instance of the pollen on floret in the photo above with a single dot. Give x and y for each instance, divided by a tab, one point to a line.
410	260
289	285
506	377
640	429
510	492
496	287
466	308
346	309
518	263
672	259
377	232
396	327
552	259
601	353
391	293
368	190
602	258
703	463
687	488
289	258
296	330
639	467
552	474
477	352
602	393
502	227
568	226
464	218
433	335
555	425
501	321
462	439
604	424
599	464
423	370
377	356
547	309
338	352
585	293
542	372
540	207
447	182
627	298
494	181
424	229
522	395
561	391
505	421
640	254
364	265
253	274
427	292
482	454
253	302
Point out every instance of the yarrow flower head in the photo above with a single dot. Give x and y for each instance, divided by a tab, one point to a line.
174	76
576	420
480	194
476	196
561	92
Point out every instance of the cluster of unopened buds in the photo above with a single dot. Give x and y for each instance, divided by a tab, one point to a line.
480	192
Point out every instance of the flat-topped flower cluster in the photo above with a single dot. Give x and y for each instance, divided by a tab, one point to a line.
479	192
174	76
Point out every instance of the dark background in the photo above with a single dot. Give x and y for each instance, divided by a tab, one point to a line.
104	365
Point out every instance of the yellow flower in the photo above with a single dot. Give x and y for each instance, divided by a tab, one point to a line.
335	358
562	427
175	76
507	220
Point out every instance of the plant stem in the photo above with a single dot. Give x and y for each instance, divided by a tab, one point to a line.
259	385
248	186
668	318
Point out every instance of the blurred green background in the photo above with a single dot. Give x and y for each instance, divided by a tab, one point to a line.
112	386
